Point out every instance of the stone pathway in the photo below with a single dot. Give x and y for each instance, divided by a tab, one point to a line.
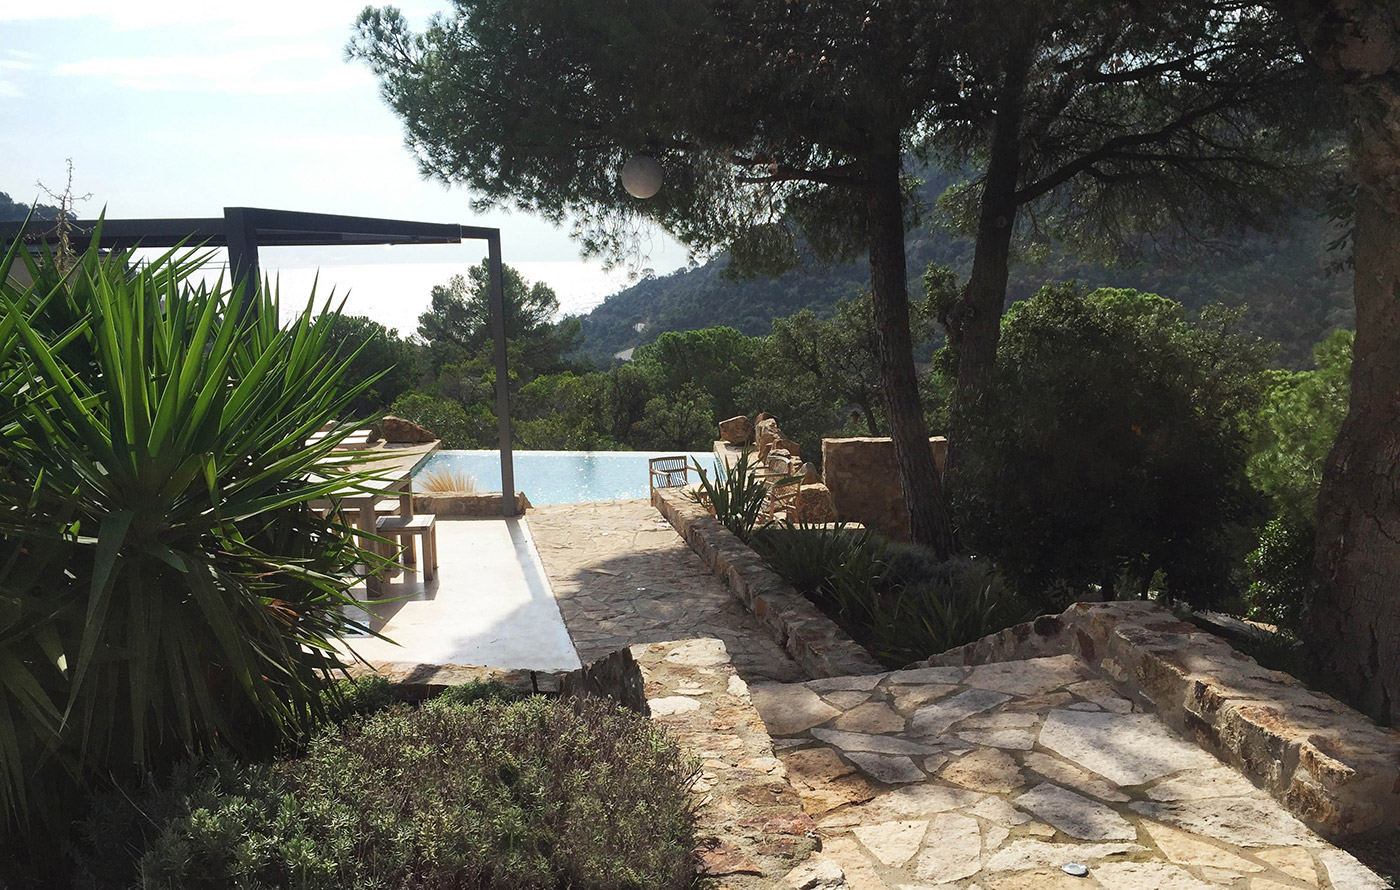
993	777
623	576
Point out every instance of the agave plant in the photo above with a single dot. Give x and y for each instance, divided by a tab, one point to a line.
736	494
164	586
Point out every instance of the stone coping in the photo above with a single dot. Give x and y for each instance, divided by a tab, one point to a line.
1329	765
483	503
422	681
812	639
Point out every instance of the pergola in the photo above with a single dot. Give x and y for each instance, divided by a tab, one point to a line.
244	230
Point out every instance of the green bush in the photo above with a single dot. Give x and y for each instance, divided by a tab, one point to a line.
448	420
1109	446
164	586
1281	570
537	793
898	600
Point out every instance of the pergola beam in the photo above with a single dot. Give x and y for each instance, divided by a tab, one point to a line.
243	230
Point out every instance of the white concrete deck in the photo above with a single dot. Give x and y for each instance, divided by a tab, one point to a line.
490	605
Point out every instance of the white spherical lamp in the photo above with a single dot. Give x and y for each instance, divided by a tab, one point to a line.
641	176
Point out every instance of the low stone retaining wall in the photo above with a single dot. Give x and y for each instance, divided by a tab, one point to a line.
1333	768
864	481
482	504
813	641
749	820
423	681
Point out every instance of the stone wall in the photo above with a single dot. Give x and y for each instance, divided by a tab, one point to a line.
1333	768
813	641
864	481
478	504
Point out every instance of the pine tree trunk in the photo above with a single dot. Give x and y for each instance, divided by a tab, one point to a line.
929	523
1353	626
977	318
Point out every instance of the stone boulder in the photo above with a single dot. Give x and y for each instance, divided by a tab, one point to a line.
788	445
736	430
398	431
813	504
781	461
810	476
766	432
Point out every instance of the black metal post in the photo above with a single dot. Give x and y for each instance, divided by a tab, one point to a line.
242	240
498	333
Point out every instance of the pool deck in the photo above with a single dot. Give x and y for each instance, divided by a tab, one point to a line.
489	605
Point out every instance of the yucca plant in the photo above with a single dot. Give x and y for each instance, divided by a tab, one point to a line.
164	587
736	494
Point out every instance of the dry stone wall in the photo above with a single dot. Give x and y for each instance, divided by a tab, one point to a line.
864	481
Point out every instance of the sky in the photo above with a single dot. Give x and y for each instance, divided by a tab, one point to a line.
184	108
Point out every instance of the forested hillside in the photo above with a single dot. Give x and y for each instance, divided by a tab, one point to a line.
11	209
1291	283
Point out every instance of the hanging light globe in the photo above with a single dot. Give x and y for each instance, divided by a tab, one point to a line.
641	176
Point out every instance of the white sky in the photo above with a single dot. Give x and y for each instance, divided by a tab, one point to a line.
184	108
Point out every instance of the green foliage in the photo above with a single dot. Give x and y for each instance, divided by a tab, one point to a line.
164	587
717	360
1296	424
1281	570
898	600
561	411
534	794
683	420
735	495
380	354
448	421
1109	445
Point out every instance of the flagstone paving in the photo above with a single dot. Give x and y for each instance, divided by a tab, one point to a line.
993	777
622	576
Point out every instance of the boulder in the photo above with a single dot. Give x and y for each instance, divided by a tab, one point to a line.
810	476
766	432
736	430
779	461
397	430
788	445
813	504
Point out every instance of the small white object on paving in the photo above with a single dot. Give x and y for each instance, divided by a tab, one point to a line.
491	605
1126	749
1075	814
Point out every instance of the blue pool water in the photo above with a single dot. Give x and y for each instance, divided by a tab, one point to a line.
563	477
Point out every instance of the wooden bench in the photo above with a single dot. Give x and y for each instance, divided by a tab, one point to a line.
405	529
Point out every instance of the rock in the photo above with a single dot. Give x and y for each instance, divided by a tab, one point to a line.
936	719
875	717
724	858
1187	849
817	873
736	430
952	849
860	874
1138	875
766	432
986	769
1024	854
399	431
810	476
1076	815
813	505
672	704
1062	773
875	744
891	769
1014	739
1242	821
791	447
1220	781
1126	749
1296	862
893	843
1033	676
788	709
1344	871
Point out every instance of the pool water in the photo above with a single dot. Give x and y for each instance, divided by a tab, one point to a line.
563	477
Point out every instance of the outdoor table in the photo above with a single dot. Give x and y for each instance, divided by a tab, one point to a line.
357	505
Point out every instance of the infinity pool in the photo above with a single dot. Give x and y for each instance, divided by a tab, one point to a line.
562	477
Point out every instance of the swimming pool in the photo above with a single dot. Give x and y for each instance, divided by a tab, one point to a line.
562	477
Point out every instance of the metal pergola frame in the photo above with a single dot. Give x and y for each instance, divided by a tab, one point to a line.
244	230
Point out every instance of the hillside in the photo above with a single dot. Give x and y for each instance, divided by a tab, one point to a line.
1294	297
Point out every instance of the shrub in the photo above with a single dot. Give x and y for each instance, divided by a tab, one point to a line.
164	587
536	793
447	420
963	601
1109	446
809	556
1281	569
736	494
